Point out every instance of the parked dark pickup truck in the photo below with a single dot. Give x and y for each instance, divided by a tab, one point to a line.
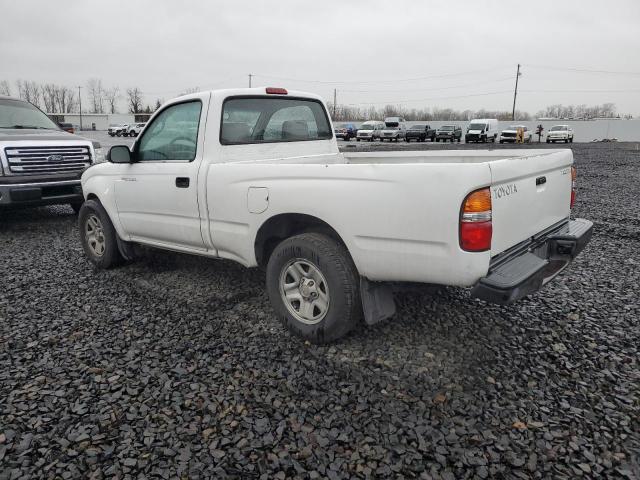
420	133
40	164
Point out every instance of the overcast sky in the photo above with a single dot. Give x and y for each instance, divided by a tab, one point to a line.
460	54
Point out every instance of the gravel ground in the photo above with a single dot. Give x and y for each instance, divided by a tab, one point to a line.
174	366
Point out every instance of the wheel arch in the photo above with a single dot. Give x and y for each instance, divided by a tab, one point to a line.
284	225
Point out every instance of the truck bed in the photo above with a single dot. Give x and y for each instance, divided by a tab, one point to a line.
442	156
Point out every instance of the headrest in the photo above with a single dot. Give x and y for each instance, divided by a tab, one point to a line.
295	130
235	132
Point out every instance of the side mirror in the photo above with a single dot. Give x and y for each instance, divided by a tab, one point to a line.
119	154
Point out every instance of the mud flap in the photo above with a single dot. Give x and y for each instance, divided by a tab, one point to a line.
377	301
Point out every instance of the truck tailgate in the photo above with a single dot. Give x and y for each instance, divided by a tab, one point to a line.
529	194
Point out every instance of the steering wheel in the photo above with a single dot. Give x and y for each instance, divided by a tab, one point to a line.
190	140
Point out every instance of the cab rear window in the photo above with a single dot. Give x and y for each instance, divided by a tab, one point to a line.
247	120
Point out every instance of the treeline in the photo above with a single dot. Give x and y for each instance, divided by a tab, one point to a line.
352	113
53	98
580	112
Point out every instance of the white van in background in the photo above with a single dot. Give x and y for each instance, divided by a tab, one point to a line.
482	130
394	129
370	130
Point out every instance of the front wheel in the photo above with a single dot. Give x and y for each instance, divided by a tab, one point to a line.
313	286
98	236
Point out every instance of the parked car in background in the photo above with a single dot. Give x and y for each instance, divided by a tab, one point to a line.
420	133
510	135
67	127
346	131
453	133
482	130
208	179
115	130
133	130
370	130
40	164
394	129
560	133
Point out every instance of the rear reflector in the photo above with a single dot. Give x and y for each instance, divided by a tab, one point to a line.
276	91
476	228
574	185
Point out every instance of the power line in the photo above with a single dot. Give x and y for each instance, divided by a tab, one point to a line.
432	98
431	89
582	70
373	82
634	90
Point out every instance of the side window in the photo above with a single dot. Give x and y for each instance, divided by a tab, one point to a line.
173	135
247	120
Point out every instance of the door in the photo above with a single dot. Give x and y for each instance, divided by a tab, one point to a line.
157	194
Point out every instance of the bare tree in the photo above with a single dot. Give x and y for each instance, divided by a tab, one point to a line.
50	98
158	104
134	100
112	96
96	95
66	100
5	89
29	91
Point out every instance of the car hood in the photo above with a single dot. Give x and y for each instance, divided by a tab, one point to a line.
21	134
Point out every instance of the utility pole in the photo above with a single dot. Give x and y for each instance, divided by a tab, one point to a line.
80	102
515	94
250	76
335	94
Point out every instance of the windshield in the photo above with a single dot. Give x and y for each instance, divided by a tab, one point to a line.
417	127
477	126
391	125
19	114
558	127
366	126
447	128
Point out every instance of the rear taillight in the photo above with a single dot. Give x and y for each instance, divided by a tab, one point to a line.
475	221
574	185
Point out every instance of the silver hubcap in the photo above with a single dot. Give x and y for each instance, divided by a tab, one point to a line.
94	234
304	291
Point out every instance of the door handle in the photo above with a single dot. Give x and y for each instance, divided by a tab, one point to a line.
182	182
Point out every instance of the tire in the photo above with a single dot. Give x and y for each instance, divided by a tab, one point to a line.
357	139
133	133
548	141
407	140
571	140
111	134
338	279
125	134
91	211
118	134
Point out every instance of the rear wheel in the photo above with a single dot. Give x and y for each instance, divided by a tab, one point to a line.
98	236
313	285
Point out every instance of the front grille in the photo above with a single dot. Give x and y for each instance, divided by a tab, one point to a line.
508	134
38	160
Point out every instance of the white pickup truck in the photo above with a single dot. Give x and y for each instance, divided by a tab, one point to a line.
255	176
